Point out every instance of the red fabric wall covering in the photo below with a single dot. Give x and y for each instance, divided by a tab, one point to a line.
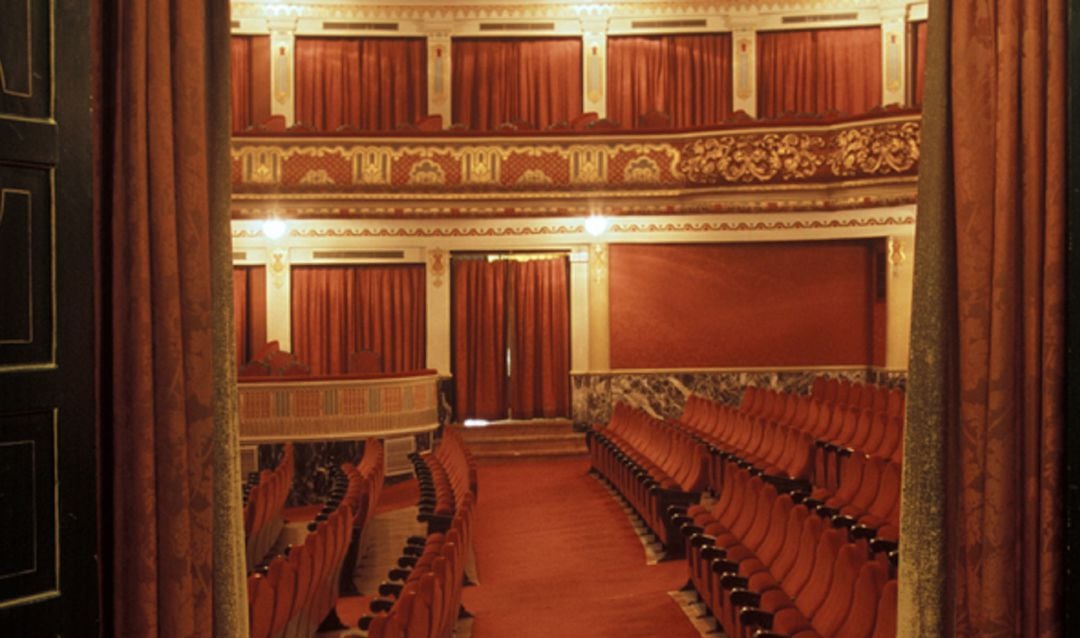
250	80
741	305
687	77
374	84
479	327
249	310
917	62
819	71
338	310
502	80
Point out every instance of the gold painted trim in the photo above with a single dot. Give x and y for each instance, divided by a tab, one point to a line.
336	436
33	495
629	371
29	261
29	59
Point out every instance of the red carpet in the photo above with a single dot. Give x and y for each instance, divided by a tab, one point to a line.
556	556
403	494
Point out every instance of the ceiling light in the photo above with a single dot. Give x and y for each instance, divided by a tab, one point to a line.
273	228
595	225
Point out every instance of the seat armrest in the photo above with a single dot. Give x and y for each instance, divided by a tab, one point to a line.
732	581
742	597
390	589
381	604
754	617
699	540
712	552
723	566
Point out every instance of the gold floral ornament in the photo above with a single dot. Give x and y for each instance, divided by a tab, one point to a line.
752	158
876	150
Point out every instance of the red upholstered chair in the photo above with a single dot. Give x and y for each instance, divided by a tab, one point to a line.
260	606
580	122
603	124
272	124
869	588
430	123
301	127
365	362
654	121
885	622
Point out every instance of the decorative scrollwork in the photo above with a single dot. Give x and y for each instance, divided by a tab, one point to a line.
752	158
876	150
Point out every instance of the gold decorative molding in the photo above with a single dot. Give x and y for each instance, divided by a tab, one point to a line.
437	266
876	150
753	158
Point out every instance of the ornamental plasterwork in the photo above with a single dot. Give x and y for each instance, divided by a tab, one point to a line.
535	10
753	158
877	150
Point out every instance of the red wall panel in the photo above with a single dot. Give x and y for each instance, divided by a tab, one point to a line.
742	305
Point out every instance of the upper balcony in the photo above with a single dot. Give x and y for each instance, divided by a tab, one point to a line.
789	164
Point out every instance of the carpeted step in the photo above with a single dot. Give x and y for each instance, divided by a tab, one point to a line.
524	439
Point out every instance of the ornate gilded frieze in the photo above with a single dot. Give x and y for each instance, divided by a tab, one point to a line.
799	166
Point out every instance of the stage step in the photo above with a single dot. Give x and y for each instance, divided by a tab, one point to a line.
524	439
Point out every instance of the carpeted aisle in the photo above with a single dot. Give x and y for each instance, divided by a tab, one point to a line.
556	556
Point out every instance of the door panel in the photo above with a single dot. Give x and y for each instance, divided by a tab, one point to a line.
48	466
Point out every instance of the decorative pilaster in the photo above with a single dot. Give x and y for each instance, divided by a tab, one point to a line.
893	55
743	71
283	69
594	72
278	297
579	310
439	78
898	301
599	309
438	310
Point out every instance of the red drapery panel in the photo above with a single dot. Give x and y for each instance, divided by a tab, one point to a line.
819	71
163	135
338	310
918	61
250	80
540	360
479	316
1008	85
532	80
687	77
249	310
374	84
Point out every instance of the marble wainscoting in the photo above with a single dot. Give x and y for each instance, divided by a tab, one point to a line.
663	393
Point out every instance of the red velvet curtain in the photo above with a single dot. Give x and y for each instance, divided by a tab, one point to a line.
500	80
249	310
540	360
1007	120
687	77
163	139
918	62
374	84
480	339
338	310
819	71
250	80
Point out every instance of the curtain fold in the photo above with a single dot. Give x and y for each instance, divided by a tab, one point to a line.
540	359
338	310
480	338
249	310
495	81
250	73
169	372
373	84
819	71
995	101
918	62
687	77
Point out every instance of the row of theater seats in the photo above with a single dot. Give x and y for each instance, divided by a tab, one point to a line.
765	564
264	504
422	596
363	492
652	464
295	591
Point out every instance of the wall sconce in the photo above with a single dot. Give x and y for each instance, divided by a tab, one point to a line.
595	225
273	228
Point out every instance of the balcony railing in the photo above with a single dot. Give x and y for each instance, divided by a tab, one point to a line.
808	164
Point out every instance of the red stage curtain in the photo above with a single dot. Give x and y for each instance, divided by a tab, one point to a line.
163	209
532	80
1007	117
479	316
338	310
249	310
374	84
686	76
250	80
540	363
819	71
918	62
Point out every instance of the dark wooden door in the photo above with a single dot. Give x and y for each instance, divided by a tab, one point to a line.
48	475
